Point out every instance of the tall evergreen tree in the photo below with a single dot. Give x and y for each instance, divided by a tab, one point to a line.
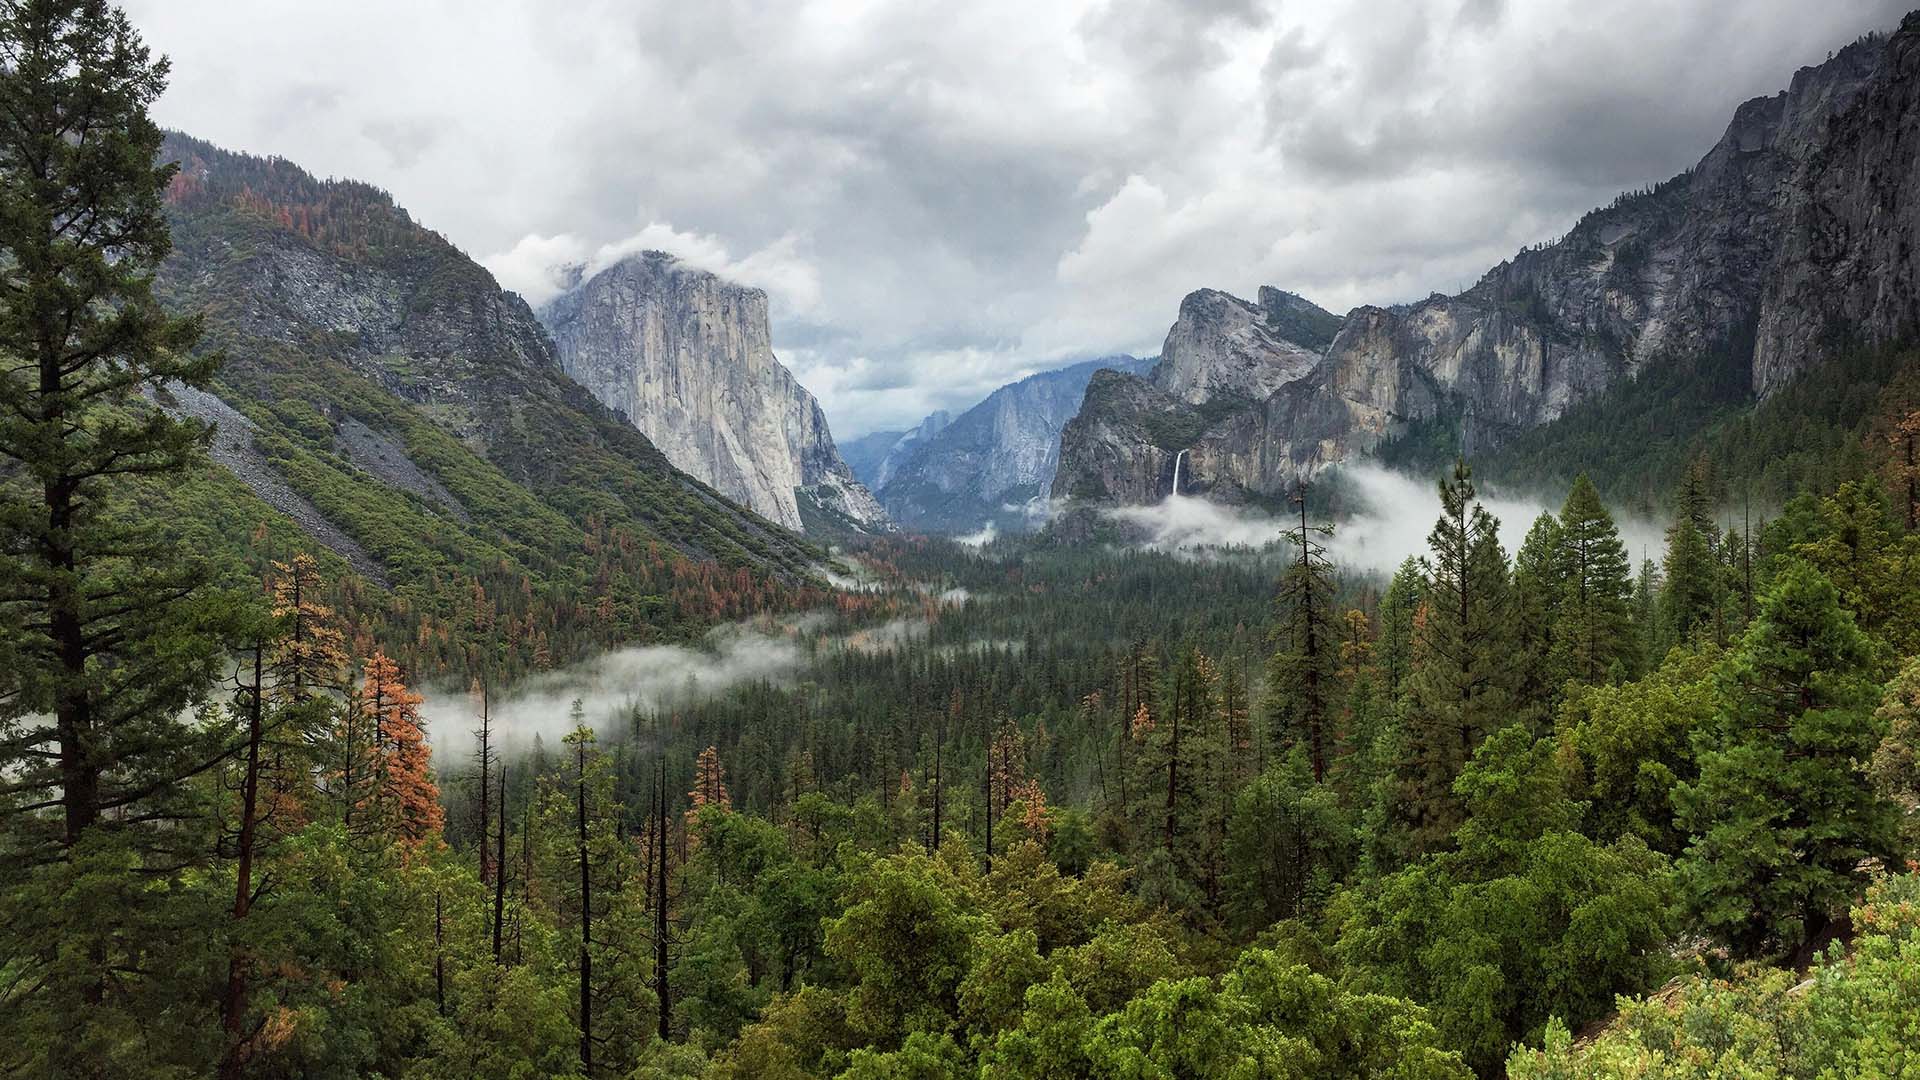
1688	594
110	633
1397	607
1538	590
1300	676
1462	687
104	602
1594	634
1781	815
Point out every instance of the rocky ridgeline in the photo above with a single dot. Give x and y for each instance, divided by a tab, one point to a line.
1795	238
688	358
996	461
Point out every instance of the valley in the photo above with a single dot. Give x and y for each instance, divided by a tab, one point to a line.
426	658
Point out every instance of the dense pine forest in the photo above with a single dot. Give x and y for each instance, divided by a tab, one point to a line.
1025	809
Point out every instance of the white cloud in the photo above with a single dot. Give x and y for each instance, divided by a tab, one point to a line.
1010	183
535	266
1388	520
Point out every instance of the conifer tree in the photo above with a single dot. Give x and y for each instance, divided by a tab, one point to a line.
1688	595
1300	676
709	784
1362	726
1395	654
108	612
1594	632
1904	440
1646	614
306	660
1462	686
1538	591
405	790
1781	815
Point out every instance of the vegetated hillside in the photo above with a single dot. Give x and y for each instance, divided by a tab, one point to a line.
1637	439
1790	246
381	390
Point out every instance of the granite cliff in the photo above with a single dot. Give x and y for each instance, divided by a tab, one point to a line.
1795	238
994	462
687	358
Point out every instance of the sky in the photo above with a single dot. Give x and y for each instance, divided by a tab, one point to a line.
942	197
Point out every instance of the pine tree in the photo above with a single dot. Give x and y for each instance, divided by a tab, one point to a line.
1697	496
1594	632
309	654
1362	724
1300	677
112	641
709	784
1688	595
405	791
306	660
108	629
1646	614
1462	684
1397	606
1904	441
1781	814
1538	591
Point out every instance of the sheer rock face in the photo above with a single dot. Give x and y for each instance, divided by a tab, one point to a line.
909	442
688	359
995	462
1796	237
1223	345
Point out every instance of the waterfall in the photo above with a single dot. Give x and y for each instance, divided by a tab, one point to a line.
1177	459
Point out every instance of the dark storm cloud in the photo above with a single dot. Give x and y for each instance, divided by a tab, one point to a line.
939	199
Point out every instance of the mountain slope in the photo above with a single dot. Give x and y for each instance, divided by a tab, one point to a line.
996	461
688	358
865	454
1792	241
412	417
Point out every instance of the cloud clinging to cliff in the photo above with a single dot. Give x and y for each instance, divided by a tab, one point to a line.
939	199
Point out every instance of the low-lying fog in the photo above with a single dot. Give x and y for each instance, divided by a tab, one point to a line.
655	678
1394	513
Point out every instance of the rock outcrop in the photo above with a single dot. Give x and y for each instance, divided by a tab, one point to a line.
375	374
994	463
1795	238
687	358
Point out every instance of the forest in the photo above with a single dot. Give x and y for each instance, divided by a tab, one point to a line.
1027	809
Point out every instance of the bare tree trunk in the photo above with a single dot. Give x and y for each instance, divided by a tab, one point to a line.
233	1006
586	918
439	955
662	991
500	862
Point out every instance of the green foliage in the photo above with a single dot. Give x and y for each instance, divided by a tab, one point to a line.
1779	816
1526	921
1633	744
1896	762
1594	638
1857	1013
1266	1017
1464	676
1289	842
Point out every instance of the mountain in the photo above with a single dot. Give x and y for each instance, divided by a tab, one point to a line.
688	358
908	444
865	454
1793	241
996	461
383	397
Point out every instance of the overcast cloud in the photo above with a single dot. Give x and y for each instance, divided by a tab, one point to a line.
943	197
